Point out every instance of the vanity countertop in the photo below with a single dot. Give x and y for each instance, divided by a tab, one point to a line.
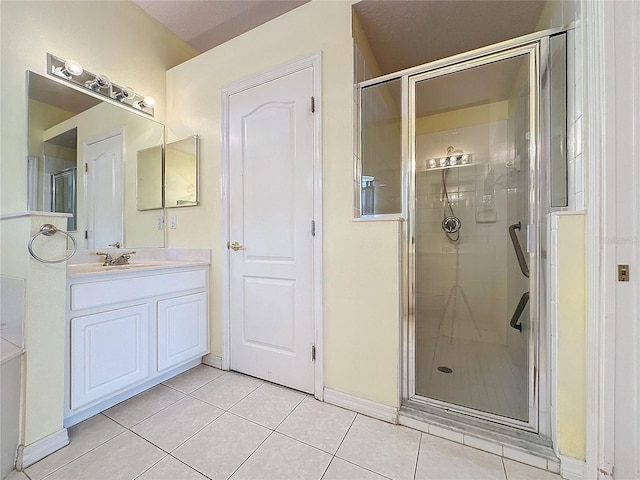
144	260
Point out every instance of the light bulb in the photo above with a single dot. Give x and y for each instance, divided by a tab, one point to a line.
72	68
101	81
126	93
148	102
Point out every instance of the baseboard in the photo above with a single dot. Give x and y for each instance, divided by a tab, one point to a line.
30	454
212	361
361	405
572	468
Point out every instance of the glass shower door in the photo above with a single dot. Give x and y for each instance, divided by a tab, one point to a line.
474	127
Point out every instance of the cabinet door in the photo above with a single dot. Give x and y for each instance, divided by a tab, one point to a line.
182	329
109	352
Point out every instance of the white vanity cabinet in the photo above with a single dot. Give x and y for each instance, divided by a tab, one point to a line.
109	352
182	329
130	329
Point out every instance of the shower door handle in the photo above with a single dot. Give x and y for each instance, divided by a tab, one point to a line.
515	318
524	268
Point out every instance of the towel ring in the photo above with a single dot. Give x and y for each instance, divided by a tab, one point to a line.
48	230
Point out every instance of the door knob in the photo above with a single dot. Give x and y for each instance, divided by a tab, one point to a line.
235	246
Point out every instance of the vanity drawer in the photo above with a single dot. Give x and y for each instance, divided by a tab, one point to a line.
106	292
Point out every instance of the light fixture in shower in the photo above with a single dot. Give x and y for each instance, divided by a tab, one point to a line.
72	72
453	158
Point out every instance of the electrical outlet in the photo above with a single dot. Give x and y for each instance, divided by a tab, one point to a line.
160	222
173	222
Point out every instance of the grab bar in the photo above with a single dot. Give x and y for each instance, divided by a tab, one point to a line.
48	230
524	299
516	246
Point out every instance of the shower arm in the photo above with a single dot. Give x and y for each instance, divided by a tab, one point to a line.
516	246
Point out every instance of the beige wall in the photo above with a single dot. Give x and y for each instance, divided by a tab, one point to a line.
137	52
360	276
138	133
360	293
571	334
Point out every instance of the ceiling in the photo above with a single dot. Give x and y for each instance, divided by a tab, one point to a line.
205	24
402	33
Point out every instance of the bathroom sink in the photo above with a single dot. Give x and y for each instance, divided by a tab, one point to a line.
106	268
94	268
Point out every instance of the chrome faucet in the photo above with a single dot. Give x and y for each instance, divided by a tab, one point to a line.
122	259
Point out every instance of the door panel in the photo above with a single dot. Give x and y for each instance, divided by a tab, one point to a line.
271	209
182	329
109	352
269	134
269	320
105	182
475	199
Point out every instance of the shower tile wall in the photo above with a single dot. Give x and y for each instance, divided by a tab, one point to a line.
575	161
478	196
464	301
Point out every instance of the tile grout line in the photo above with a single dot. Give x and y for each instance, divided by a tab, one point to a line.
262	382
362	467
79	456
197	388
191	467
145	418
415	468
346	433
291	412
342	441
150	466
504	468
251	454
168	454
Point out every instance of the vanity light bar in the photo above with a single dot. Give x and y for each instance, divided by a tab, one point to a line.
72	72
449	161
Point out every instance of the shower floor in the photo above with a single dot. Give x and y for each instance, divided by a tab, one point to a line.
483	375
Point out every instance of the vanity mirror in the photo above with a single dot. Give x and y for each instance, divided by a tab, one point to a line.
83	155
181	173
150	178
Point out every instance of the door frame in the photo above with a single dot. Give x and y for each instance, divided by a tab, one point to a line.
610	147
537	383
315	62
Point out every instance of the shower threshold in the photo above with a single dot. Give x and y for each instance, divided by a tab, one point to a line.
506	441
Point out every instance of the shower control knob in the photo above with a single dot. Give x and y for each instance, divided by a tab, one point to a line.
451	224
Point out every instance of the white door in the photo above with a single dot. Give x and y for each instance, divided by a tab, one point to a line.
104	191
271	145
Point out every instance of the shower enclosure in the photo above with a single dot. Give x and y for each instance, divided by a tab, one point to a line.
482	140
473	129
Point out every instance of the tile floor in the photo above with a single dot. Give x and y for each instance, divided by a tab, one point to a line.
207	423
